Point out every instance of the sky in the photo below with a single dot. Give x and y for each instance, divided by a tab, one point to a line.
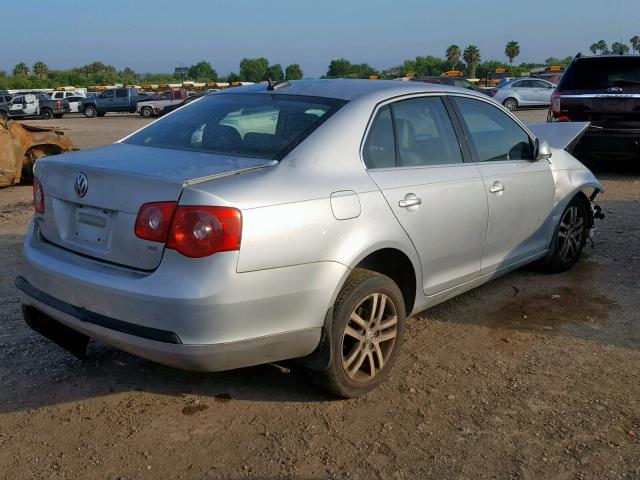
156	36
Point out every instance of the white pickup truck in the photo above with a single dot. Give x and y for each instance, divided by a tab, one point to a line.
152	108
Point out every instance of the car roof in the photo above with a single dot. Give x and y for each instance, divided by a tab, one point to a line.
347	89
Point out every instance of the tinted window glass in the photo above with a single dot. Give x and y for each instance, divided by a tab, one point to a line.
255	125
424	133
107	94
121	92
494	135
602	73
379	149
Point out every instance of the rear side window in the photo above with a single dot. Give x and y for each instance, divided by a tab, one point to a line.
424	133
494	136
412	133
254	125
380	148
121	92
602	73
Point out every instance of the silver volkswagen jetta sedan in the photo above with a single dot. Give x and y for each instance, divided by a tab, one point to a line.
299	220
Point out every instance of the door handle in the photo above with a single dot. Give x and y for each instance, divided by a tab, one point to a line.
496	187
410	200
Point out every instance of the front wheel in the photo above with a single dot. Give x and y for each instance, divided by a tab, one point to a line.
510	104
366	334
90	111
570	236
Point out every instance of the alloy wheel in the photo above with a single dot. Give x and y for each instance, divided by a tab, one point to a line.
570	234
369	337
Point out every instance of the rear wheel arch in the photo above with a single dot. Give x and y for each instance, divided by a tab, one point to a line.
396	265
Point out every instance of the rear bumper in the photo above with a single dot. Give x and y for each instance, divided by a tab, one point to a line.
196	314
610	143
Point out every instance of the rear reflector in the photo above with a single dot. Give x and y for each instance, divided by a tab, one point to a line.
154	220
38	196
199	231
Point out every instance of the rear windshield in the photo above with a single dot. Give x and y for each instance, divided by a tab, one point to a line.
253	125
602	73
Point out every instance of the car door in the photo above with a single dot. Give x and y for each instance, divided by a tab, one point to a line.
17	106
121	102
106	101
525	92
416	157
543	91
520	190
31	105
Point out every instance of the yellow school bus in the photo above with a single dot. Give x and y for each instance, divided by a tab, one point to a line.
452	73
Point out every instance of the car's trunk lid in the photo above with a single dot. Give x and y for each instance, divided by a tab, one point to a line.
120	178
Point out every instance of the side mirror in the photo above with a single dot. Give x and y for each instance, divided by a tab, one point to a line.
543	150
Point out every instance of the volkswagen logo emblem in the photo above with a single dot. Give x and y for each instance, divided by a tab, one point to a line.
81	185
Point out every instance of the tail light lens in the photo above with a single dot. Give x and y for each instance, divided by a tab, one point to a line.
202	231
193	231
58	104
493	92
154	220
38	196
556	104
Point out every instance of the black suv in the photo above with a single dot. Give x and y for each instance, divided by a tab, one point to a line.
603	90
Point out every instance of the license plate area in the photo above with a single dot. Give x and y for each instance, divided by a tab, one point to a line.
91	227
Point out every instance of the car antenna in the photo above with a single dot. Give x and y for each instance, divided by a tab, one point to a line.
276	85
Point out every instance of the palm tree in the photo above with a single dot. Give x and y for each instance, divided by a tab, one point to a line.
21	69
453	56
512	50
602	47
619	48
594	48
40	70
635	43
471	56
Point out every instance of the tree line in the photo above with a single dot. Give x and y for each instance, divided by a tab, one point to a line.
259	69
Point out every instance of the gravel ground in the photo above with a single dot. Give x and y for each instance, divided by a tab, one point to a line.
532	376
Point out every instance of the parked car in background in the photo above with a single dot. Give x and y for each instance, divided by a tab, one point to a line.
33	105
154	106
65	94
452	81
550	77
523	92
5	96
306	219
189	99
603	90
112	100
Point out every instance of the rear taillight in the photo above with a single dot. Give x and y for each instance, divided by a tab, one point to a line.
38	196
154	221
556	107
201	231
493	92
193	231
58	104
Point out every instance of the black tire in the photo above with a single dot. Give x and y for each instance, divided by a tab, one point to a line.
365	355
101	114
90	111
58	115
3	115
569	237
46	114
510	104
147	112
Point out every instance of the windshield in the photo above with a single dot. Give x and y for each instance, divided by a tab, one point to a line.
602	73
253	125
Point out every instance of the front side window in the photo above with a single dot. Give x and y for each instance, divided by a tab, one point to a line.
254	125
494	135
107	94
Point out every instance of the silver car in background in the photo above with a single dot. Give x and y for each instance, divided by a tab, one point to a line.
298	220
523	92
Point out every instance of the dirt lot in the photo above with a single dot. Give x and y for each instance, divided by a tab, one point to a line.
531	376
